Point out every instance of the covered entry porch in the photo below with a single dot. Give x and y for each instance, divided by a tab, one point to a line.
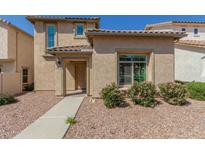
72	70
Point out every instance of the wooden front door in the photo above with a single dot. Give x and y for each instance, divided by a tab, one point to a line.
80	75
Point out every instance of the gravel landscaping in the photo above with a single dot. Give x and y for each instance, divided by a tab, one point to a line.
30	106
94	120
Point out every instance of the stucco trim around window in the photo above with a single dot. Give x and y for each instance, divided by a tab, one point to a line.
79	30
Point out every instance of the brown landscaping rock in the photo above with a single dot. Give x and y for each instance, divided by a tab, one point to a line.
94	120
16	117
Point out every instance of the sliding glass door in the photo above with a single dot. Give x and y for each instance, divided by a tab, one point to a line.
132	68
125	73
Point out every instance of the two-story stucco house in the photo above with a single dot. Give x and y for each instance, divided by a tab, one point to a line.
16	56
73	53
189	50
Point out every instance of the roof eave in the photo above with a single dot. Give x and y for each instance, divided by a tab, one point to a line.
69	52
33	19
89	34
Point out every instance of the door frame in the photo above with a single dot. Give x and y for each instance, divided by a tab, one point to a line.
88	69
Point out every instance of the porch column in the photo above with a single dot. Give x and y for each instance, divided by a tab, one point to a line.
60	77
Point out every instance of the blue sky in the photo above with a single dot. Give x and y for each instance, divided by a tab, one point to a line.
112	22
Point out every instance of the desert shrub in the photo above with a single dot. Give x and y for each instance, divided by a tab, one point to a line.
112	96
173	93
7	99
71	120
143	93
196	90
29	87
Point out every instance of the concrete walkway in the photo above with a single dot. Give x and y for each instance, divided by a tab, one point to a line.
52	124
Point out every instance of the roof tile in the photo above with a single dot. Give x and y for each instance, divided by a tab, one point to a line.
135	32
77	48
195	43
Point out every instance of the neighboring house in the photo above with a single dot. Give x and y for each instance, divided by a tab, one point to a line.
16	57
189	51
72	53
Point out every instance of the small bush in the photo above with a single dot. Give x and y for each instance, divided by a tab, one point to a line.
112	96
173	93
143	93
29	87
196	90
7	99
71	121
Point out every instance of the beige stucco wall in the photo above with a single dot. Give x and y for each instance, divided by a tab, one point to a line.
66	35
45	66
102	65
8	67
25	55
3	41
10	83
17	47
105	58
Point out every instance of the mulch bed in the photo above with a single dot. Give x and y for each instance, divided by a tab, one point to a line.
94	120
30	106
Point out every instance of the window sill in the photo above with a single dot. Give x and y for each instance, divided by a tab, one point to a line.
197	35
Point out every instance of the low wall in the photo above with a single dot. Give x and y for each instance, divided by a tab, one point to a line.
10	83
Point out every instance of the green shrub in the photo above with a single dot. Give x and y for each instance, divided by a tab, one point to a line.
71	121
196	90
112	96
7	99
29	87
173	93
143	93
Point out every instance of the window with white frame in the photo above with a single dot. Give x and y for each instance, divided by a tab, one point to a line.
132	68
51	30
25	75
79	30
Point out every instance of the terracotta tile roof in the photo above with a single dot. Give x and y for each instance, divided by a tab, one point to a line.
71	49
136	33
188	22
149	26
12	25
195	43
63	18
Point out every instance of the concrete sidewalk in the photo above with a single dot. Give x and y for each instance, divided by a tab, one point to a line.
52	124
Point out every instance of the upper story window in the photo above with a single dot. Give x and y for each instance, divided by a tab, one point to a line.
183	29
51	30
196	31
79	30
